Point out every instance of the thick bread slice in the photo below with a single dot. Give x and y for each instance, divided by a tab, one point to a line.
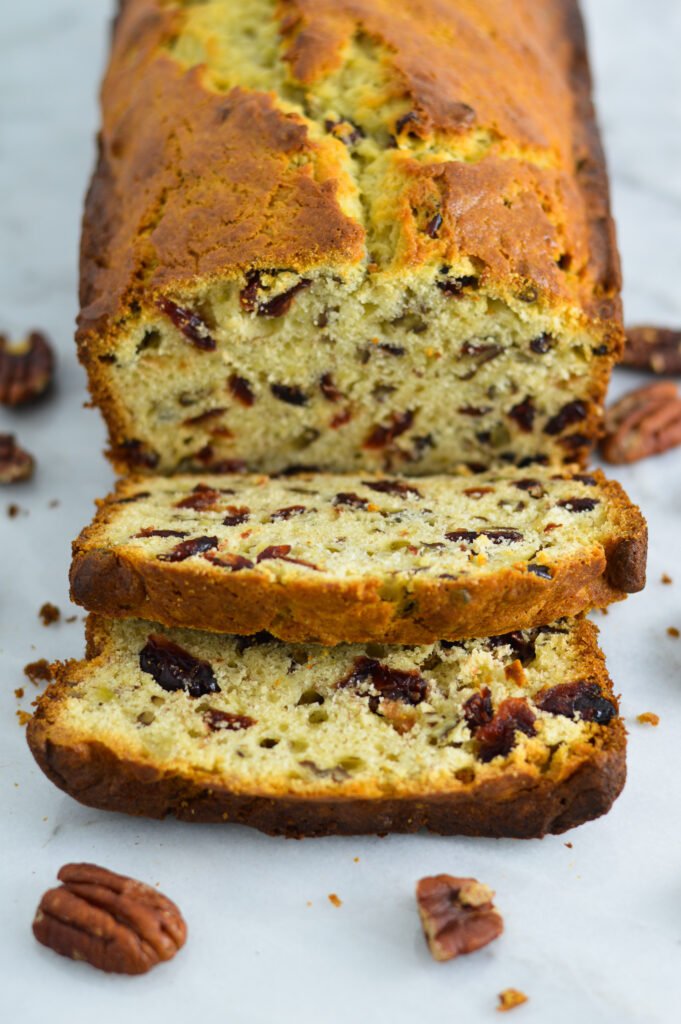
509	736
358	557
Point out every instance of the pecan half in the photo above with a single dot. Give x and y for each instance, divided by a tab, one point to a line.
653	348
25	369
457	915
15	463
112	922
644	422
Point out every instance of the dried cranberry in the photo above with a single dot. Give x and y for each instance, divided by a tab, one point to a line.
384	435
329	389
496	536
585	478
236	515
478	492
579	504
289	393
573	442
281	304
241	390
248	295
286	513
392	350
149	531
218	721
350	499
204	416
523	646
542	344
524	414
280	552
188	323
187	548
540	570
498	737
531	460
340	419
482	353
578	698
254	640
201	498
571	413
478	709
453	287
391	683
173	668
137	454
474	410
133	497
398	487
533	487
226	560
434	225
206	456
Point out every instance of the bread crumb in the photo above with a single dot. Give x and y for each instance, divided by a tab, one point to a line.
356	860
54	503
510	998
38	671
648	717
71	618
672	630
49	613
19	692
569	845
14	510
309	903
335	900
666	579
24	718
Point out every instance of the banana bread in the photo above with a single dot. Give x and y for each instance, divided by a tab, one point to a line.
348	234
356	557
514	735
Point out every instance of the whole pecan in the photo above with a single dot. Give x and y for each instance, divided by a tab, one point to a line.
15	463
25	369
644	422
457	915
653	348
112	922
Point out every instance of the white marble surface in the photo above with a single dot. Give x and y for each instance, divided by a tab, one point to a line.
593	932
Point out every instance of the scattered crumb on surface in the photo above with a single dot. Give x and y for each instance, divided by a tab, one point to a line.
71	618
19	692
49	613
337	902
665	578
54	503
510	998
569	845
649	718
672	630
38	671
24	718
356	860
14	510
309	903
604	611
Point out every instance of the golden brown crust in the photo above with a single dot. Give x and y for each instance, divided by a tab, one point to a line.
516	802
126	583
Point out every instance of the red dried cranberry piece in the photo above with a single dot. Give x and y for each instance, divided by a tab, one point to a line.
398	487
542	344
202	417
236	515
573	442
286	513
540	570
453	287
340	419
391	683
137	454
384	435
350	499
254	640
218	721
173	668
280	552
579	504
474	410
201	498
481	352
329	389
133	497
289	393
533	487
478	709
188	323
249	295
149	531
498	737
577	698
226	560
522	644
434	225
585	478
281	304
496	536
241	390
571	413
524	414
187	548
392	350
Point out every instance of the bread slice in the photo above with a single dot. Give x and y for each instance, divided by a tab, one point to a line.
348	234
515	735
359	557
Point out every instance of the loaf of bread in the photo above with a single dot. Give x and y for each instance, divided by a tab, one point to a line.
348	235
515	735
333	558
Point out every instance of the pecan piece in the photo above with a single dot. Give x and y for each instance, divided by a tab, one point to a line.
15	463
25	369
644	422
457	915
112	922
653	348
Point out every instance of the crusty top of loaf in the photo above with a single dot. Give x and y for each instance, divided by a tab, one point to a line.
479	148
